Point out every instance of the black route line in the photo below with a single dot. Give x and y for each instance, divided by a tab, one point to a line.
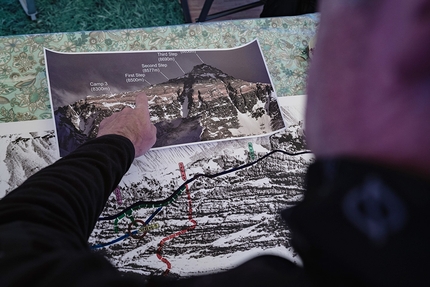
178	191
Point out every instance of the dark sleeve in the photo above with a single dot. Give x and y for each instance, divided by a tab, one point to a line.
69	195
45	222
362	224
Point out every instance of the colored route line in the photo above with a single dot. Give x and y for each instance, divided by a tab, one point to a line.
251	151
143	228
118	195
160	203
179	233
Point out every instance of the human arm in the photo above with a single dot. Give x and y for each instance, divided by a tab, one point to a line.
45	222
71	193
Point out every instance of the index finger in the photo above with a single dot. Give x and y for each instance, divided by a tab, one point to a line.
142	101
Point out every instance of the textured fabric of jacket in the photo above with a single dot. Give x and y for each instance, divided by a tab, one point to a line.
363	224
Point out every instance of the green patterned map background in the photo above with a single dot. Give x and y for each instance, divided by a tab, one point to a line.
23	86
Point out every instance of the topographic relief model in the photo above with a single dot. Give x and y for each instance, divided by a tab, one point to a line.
150	225
194	96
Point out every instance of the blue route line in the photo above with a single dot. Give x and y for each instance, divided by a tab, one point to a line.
101	245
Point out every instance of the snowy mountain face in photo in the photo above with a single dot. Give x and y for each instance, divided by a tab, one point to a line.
205	104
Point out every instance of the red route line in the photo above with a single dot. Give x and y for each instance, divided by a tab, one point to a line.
179	233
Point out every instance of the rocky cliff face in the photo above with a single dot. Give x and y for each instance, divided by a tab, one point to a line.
205	104
25	154
234	213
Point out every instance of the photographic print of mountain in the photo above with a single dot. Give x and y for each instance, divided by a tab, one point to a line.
194	95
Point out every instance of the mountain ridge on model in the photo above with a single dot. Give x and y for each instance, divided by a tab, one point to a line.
204	104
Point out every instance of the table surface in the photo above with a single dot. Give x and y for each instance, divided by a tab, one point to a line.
228	226
23	86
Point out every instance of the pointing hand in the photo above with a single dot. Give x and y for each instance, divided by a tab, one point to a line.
133	124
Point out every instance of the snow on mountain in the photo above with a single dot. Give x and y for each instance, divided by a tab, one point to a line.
205	104
236	215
